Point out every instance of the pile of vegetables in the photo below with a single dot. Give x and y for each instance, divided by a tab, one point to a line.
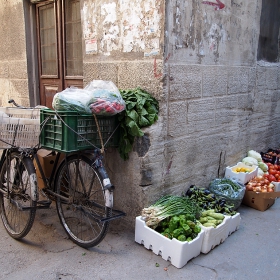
182	227
105	107
255	159
260	184
267	173
169	206
210	218
141	111
208	201
273	173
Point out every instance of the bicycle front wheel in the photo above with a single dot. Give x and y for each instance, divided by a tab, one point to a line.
17	204
81	201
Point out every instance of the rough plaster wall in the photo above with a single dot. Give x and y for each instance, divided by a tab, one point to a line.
126	26
13	65
197	33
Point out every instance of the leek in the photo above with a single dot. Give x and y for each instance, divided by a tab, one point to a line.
168	206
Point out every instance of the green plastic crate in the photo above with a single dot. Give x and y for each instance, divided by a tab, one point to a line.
57	136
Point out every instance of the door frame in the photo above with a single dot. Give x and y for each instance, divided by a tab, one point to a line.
33	71
31	53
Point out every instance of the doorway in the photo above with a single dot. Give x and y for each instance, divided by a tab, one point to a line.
60	53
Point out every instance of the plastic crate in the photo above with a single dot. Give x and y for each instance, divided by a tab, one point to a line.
81	135
175	251
19	127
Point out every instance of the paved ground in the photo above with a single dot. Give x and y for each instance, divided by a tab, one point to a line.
252	252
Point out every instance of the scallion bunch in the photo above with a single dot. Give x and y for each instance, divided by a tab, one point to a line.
168	206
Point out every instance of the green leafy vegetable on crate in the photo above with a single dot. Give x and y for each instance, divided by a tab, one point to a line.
141	111
207	200
169	206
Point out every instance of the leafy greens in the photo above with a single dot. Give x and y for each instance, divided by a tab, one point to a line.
141	111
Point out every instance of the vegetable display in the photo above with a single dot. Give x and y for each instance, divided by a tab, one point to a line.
141	111
208	201
182	227
273	174
210	218
168	206
260	184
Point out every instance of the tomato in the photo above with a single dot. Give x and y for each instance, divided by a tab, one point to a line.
276	176
269	164
276	167
271	178
272	171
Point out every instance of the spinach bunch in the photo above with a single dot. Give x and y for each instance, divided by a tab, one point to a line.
141	111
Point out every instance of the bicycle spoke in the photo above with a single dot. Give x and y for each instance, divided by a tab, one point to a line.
80	183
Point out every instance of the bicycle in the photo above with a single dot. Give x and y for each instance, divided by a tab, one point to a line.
78	183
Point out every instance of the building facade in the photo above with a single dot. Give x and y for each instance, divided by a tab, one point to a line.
213	66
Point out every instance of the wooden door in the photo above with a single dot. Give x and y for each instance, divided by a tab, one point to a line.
60	55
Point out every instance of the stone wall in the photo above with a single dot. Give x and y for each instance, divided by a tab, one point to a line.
13	64
220	100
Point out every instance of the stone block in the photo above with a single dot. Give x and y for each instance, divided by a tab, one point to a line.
18	69
271	77
100	71
177	119
214	81
228	102
185	81
4	69
238	80
141	74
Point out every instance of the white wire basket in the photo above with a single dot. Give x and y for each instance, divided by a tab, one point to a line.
19	127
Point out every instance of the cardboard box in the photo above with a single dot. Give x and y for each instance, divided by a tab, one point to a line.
46	159
175	251
258	200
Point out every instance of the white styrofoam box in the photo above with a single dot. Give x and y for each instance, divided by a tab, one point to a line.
215	236
234	223
175	251
276	186
241	177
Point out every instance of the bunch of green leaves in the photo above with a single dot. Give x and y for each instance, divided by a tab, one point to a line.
141	111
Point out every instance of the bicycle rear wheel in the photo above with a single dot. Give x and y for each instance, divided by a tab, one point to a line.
18	209
84	204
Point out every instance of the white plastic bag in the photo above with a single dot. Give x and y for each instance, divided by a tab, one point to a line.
98	97
72	99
